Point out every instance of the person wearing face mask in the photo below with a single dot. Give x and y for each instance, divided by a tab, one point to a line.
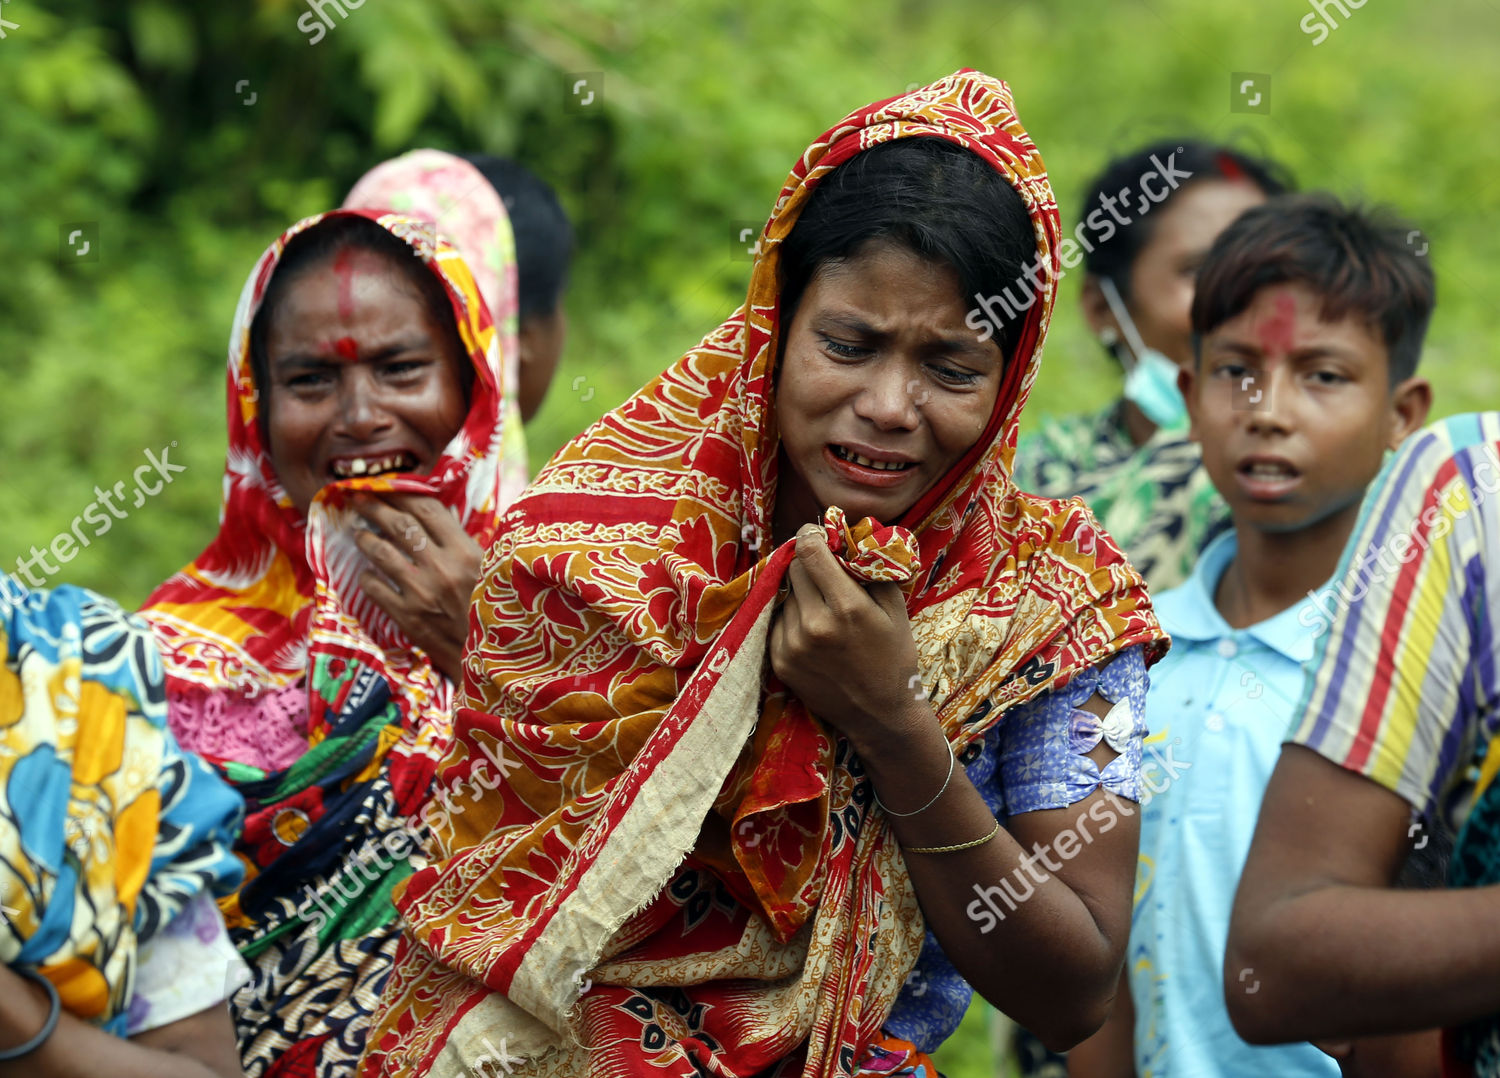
1131	462
1310	316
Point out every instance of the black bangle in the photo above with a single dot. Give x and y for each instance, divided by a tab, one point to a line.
7	1054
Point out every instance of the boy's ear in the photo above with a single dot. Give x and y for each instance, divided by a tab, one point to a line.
1187	381
1096	310
1411	400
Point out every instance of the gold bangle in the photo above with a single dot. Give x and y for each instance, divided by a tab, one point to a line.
954	849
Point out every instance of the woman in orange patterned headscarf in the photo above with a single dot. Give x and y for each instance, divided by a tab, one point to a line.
311	650
729	649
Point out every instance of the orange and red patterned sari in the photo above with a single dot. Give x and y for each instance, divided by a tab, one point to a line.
683	871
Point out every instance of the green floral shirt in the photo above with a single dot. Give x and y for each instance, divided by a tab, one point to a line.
1155	500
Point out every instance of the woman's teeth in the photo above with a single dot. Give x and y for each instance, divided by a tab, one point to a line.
352	467
866	462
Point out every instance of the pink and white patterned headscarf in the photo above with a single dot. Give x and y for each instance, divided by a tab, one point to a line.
462	205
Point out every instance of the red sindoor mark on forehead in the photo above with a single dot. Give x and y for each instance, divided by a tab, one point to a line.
344	271
346	348
1229	168
1279	332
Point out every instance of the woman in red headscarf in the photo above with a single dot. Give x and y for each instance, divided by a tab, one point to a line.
731	649
311	649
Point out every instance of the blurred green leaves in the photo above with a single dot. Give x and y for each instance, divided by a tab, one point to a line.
162	37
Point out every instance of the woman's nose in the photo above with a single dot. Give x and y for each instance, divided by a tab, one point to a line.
361	411
891	396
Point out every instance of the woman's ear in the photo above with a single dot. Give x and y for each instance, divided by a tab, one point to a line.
1411	400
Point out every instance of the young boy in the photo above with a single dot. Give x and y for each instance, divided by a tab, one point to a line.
1308	321
1398	717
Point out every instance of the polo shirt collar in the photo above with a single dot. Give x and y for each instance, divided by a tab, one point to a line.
1196	617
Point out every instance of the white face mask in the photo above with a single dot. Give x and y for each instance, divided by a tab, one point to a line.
1150	377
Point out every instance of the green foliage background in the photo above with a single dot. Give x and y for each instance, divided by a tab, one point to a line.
132	116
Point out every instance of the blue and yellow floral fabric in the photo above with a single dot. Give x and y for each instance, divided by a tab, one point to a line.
107	828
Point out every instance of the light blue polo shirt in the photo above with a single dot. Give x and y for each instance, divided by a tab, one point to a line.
1222	701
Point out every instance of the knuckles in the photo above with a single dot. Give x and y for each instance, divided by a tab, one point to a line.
818	631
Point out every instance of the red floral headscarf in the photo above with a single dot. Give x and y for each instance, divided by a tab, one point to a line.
243	612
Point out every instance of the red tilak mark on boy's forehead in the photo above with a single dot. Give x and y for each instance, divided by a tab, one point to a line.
1278	332
345	273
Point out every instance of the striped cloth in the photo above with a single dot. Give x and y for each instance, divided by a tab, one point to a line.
1404	689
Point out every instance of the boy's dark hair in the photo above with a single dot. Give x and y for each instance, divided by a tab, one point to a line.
1359	260
1115	257
321	242
929	195
544	235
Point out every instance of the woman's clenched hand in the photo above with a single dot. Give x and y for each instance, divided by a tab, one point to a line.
846	649
426	567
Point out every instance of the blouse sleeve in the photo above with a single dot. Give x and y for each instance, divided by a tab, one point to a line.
1041	746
